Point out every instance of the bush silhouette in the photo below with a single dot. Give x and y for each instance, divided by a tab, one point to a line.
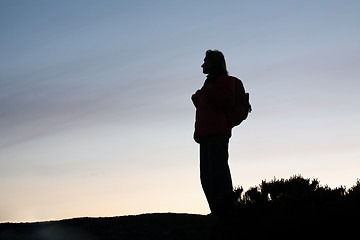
297	197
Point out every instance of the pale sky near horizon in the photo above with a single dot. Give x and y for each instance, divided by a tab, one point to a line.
95	110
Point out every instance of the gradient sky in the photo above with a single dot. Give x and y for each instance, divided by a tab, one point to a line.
95	110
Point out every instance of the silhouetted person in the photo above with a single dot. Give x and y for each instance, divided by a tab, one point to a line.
212	131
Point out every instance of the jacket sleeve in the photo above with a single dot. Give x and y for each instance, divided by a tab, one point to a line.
222	92
195	98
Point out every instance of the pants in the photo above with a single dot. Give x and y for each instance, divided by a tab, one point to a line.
215	173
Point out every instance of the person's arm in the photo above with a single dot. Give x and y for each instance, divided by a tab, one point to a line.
195	97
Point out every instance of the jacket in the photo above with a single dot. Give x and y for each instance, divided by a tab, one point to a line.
212	102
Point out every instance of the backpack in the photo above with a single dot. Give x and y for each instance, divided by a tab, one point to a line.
242	107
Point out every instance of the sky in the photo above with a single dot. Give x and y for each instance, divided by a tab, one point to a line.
95	110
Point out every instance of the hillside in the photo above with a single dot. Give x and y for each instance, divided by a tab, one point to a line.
296	207
176	226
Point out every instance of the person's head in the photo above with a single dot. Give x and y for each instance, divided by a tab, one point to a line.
214	63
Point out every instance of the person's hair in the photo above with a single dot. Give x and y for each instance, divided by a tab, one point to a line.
217	60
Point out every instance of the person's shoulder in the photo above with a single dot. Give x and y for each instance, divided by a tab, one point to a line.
235	79
232	77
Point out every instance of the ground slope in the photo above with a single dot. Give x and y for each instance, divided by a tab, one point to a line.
176	226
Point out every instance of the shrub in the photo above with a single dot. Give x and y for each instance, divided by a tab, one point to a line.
297	197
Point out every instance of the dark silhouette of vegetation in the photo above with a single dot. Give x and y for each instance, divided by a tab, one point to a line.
297	197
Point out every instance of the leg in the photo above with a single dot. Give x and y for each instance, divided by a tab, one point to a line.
204	171
219	174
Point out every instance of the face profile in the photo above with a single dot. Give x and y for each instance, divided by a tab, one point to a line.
206	66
